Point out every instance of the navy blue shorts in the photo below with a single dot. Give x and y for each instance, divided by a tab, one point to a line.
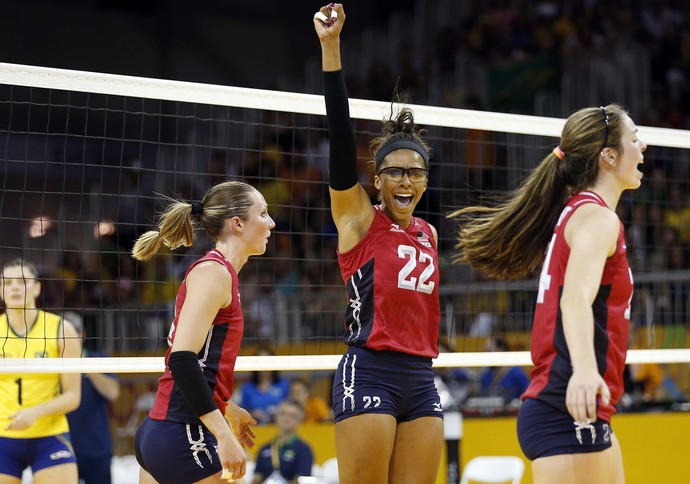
37	453
95	468
387	382
176	453
544	431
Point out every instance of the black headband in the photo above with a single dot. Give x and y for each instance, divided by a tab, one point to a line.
409	143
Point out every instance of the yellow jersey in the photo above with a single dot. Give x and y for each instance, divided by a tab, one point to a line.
18	391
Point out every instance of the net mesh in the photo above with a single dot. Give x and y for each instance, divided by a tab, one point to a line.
89	158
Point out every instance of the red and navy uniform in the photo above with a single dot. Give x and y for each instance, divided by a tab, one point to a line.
392	323
392	281
217	356
611	308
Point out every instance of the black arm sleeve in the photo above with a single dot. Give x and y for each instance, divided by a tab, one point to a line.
342	163
185	370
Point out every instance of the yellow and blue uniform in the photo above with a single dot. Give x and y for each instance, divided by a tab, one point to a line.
18	391
46	442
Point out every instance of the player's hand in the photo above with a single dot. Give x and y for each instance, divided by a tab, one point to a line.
23	419
581	395
240	421
328	21
232	458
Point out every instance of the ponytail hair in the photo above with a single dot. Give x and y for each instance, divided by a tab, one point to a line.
509	239
179	221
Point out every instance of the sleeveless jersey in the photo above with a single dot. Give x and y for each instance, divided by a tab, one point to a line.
216	358
19	391
552	368
391	279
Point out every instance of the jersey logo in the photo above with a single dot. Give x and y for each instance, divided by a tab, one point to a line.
349	390
197	446
355	303
579	427
423	239
60	454
396	228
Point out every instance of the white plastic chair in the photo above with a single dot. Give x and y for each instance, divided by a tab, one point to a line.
309	480
504	468
251	466
329	471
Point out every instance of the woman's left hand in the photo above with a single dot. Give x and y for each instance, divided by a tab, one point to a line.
240	421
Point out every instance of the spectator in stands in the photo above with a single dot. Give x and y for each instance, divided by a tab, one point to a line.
389	420
316	409
33	428
89	425
566	209
262	394
186	436
286	457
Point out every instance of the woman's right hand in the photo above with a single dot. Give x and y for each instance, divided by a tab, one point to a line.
330	27
232	457
23	419
581	395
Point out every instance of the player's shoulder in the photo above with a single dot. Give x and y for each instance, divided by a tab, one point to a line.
211	267
596	217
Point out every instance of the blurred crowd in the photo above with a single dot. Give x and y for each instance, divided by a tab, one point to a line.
549	40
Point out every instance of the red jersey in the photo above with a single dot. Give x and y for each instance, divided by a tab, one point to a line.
216	358
611	308
391	279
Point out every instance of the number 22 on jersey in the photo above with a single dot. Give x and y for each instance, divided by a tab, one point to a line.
406	280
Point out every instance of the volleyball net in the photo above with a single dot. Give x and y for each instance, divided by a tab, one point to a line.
88	158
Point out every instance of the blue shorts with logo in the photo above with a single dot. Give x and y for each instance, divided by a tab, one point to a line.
386	382
37	453
545	431
176	453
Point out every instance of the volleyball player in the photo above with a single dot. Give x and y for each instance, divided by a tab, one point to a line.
563	217
186	438
389	422
33	428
